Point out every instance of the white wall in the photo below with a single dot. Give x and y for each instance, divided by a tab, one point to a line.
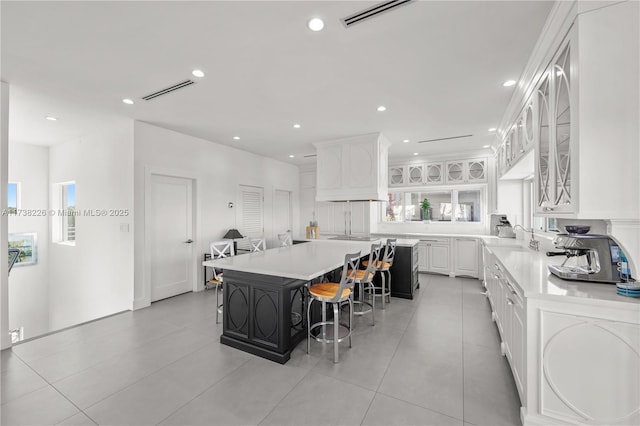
94	278
29	285
509	193
217	170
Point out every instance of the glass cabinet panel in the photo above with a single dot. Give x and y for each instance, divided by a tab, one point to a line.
476	170
434	173
544	139
455	172
396	176
562	130
415	174
529	126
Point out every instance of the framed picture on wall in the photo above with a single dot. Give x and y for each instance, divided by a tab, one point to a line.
27	243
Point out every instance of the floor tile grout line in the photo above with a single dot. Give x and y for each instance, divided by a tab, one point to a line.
60	393
419	406
287	394
204	391
147	375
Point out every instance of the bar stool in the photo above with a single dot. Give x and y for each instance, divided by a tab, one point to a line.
257	244
285	239
364	278
219	249
384	266
336	294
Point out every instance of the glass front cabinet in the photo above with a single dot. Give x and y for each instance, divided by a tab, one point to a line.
555	175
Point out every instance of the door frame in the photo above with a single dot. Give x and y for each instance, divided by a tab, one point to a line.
273	212
145	300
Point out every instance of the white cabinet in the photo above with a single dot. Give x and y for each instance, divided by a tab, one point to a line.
466	171
434	173
555	171
415	174
433	255
359	218
465	257
352	168
397	176
350	218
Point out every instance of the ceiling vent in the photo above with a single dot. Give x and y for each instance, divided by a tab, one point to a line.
168	90
445	139
373	11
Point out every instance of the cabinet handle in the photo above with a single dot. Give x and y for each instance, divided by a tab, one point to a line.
465	239
433	241
497	267
515	293
509	301
547	209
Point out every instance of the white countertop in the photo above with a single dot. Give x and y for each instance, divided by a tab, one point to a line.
300	261
528	269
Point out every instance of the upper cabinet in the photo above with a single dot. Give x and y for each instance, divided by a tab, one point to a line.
436	173
466	171
554	147
352	169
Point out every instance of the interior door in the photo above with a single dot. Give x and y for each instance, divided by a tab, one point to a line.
282	215
171	209
250	214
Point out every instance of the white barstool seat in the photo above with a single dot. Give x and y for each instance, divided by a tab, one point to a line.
219	250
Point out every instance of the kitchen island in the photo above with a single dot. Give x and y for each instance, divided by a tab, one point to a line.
264	293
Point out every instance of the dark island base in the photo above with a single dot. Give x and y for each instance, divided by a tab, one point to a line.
280	358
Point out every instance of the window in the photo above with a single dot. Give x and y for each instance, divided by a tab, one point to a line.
445	206
64	220
13	195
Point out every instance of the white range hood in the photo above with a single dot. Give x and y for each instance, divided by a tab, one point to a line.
353	169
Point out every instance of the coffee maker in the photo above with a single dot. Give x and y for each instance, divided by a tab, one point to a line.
594	258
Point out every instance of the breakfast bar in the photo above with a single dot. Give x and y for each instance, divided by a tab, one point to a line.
264	296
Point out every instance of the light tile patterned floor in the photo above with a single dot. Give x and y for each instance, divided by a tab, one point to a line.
434	360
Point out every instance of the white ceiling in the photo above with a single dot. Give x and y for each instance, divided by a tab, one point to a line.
438	67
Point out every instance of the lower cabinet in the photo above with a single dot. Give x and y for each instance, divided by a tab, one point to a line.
433	255
404	272
465	257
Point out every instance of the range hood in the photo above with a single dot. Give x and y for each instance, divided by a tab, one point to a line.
353	169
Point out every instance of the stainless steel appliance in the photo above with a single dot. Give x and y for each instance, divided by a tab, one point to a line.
587	258
501	226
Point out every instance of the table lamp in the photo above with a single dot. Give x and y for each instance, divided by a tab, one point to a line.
233	234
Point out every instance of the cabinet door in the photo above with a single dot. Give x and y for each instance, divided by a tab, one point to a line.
562	136
528	125
438	260
476	170
466	257
455	172
422	257
434	173
415	174
340	218
324	216
519	145
508	148
359	218
396	175
517	347
543	142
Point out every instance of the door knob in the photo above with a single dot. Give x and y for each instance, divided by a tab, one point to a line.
189	241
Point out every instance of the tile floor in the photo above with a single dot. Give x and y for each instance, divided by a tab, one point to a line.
434	360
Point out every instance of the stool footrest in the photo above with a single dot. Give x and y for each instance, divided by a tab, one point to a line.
343	332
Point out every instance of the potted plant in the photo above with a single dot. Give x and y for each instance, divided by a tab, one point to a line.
425	205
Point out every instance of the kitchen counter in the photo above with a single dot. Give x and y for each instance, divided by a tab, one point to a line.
528	269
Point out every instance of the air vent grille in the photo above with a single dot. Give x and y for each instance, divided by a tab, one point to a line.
445	139
168	90
373	11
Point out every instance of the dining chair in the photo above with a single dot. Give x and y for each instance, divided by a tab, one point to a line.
219	249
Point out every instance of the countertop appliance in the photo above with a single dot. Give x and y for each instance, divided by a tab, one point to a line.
594	258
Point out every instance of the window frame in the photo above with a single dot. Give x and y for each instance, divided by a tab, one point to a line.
454	190
18	195
60	222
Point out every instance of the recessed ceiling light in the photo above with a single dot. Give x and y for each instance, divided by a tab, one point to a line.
509	83
50	118
291	156
127	101
296	126
486	146
315	24
405	141
237	138
493	129
197	73
382	108
415	153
